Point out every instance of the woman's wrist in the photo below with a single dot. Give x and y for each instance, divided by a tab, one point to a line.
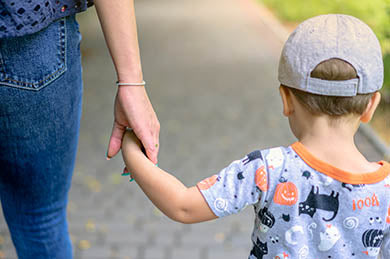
132	77
130	80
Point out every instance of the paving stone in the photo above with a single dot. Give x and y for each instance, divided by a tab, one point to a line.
155	252
227	253
8	254
111	253
188	253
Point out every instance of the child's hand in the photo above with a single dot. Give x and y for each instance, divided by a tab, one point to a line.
131	143
172	197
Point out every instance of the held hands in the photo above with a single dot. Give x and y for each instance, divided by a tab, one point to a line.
132	106
132	152
172	197
131	144
133	109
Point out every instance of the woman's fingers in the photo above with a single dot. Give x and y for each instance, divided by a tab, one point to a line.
151	142
115	140
134	110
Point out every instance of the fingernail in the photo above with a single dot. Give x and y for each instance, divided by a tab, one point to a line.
107	157
125	172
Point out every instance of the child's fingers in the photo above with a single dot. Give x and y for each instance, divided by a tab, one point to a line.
125	172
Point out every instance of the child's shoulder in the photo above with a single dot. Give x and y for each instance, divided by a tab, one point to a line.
295	166
272	159
273	155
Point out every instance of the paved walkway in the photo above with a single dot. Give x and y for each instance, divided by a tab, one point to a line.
211	72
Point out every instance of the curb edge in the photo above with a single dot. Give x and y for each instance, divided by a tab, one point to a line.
375	140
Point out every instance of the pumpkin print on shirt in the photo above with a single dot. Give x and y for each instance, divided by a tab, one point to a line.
388	216
208	182
261	179
286	193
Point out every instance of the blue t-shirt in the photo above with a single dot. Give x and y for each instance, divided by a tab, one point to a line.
305	208
22	17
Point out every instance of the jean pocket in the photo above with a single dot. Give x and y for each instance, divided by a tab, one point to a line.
33	61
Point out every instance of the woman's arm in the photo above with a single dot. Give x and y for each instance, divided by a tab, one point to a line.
117	19
175	200
132	106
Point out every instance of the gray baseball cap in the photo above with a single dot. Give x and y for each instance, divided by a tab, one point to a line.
332	36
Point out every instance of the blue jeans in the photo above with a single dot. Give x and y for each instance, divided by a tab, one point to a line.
40	110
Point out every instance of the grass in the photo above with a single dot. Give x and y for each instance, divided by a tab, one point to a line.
386	61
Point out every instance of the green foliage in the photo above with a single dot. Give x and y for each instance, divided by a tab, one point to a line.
376	13
386	61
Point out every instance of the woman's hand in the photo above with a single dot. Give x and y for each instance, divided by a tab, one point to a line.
133	109
132	106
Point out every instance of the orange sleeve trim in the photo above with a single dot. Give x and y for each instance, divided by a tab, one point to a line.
338	174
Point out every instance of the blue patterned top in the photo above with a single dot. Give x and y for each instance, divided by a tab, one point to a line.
22	17
304	207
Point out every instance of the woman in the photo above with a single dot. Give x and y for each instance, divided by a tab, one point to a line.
40	108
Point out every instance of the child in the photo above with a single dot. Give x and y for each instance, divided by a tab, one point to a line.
319	197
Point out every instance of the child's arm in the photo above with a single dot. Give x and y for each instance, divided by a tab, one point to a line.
175	200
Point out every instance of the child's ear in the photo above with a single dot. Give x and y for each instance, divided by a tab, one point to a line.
285	94
371	107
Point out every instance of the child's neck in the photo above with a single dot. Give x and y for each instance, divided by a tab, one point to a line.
334	143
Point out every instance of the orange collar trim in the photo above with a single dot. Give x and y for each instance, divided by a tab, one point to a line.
338	174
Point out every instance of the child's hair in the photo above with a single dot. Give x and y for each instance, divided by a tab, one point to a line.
333	106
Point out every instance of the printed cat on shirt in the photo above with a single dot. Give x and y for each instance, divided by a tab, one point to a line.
316	201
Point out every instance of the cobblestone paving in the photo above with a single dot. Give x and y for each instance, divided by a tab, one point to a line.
210	68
